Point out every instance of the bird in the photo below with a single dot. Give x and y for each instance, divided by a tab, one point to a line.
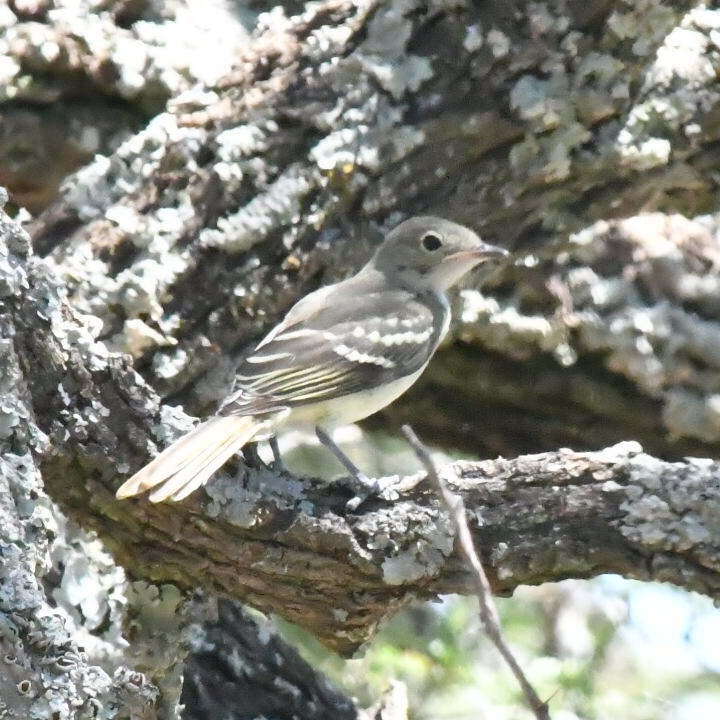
342	353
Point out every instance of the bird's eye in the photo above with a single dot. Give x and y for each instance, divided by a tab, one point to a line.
431	241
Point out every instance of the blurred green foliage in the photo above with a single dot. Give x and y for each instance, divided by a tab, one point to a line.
578	641
604	649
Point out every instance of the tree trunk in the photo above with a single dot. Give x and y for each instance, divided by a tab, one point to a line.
583	137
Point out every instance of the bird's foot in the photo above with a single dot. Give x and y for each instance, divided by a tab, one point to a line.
360	484
253	459
385	488
363	488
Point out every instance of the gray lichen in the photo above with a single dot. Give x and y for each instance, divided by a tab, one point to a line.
382	55
63	600
427	540
174	47
643	318
678	87
672	510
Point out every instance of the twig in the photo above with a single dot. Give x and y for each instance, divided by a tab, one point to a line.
488	610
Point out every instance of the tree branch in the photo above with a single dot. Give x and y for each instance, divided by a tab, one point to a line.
488	611
285	545
239	653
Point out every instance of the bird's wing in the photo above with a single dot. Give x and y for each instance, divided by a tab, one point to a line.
305	308
347	344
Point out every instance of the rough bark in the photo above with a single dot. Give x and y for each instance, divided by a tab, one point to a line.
56	586
530	122
78	638
242	671
287	546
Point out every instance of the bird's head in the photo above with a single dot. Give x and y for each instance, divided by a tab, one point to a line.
429	252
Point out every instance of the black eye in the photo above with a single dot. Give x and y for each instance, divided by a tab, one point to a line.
431	241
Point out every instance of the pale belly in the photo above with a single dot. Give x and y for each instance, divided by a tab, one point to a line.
349	408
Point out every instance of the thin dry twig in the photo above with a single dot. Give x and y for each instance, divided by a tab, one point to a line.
488	611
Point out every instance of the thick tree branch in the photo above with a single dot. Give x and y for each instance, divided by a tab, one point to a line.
285	545
47	668
243	670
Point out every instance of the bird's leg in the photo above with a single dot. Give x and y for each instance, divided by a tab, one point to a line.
278	464
252	457
365	486
347	463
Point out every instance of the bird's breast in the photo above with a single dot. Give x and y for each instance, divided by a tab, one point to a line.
350	408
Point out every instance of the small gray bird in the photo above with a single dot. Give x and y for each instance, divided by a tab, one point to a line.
342	353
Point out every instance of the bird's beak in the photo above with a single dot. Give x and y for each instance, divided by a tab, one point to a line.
486	252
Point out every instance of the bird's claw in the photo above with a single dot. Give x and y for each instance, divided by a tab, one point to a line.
365	488
253	459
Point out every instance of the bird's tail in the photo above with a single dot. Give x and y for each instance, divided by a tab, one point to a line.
190	461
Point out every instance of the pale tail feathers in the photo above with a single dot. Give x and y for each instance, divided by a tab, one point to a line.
190	461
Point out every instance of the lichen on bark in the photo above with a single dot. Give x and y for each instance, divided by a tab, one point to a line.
581	136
